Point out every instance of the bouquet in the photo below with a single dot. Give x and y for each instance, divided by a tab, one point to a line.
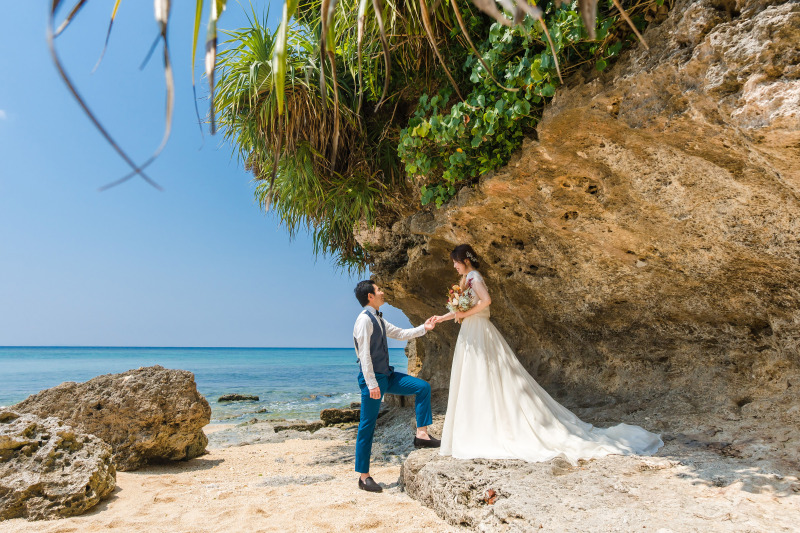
459	299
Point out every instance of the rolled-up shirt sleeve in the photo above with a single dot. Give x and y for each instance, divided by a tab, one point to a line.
362	332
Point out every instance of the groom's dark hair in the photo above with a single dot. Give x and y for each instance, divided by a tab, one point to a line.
363	290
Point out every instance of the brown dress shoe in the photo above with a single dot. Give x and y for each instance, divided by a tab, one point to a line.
369	485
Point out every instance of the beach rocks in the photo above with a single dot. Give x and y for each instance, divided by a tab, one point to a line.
311	427
237	398
50	470
330	417
697	489
148	414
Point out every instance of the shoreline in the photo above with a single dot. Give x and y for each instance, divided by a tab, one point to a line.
298	482
256	479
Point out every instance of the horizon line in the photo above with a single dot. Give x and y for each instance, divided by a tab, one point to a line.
188	347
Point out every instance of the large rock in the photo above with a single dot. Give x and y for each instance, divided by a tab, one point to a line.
150	414
703	491
644	249
50	470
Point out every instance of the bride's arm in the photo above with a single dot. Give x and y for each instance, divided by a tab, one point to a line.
443	318
484	300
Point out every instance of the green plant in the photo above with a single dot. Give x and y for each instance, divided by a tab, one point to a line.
447	144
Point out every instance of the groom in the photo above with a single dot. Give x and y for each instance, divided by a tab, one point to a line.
377	377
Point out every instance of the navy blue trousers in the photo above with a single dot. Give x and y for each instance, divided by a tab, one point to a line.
394	383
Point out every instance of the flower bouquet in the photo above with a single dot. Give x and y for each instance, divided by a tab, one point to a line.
459	299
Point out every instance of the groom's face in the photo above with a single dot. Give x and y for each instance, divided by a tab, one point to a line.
376	300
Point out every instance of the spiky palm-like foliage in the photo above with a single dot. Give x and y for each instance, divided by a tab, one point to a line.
291	153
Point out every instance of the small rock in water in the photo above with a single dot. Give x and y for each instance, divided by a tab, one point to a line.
237	398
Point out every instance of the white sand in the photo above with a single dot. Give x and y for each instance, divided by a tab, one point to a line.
249	489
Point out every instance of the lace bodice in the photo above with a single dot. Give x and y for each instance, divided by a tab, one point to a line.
474	280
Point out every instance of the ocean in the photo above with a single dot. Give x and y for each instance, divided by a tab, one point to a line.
294	383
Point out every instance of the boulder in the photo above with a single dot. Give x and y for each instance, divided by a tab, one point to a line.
330	417
50	470
237	398
149	414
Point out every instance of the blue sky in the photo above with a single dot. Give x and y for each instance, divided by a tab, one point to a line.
195	265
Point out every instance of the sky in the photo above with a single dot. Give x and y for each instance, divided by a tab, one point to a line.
198	264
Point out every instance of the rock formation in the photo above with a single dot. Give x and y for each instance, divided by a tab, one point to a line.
237	398
50	470
643	250
332	416
146	415
706	493
646	246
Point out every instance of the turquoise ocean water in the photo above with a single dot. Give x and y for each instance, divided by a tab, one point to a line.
290	382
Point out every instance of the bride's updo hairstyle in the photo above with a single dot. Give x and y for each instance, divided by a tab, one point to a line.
463	252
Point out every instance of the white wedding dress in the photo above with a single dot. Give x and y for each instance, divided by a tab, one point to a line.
496	410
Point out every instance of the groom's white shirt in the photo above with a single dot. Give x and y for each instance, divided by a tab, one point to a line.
362	332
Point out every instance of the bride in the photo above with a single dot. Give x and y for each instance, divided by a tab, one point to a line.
496	410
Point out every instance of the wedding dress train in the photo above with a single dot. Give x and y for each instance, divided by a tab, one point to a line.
496	410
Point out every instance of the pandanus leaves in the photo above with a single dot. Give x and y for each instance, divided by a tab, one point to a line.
328	44
217	7
108	34
70	17
426	21
279	55
51	41
362	19
198	14
387	56
162	13
517	9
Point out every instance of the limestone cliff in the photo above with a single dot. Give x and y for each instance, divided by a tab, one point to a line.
644	249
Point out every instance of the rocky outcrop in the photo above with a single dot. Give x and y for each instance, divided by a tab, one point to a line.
50	470
237	398
150	414
643	256
645	248
330	417
701	492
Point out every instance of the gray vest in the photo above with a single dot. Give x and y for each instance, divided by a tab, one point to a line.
378	348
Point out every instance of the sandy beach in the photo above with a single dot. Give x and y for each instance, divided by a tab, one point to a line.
275	486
